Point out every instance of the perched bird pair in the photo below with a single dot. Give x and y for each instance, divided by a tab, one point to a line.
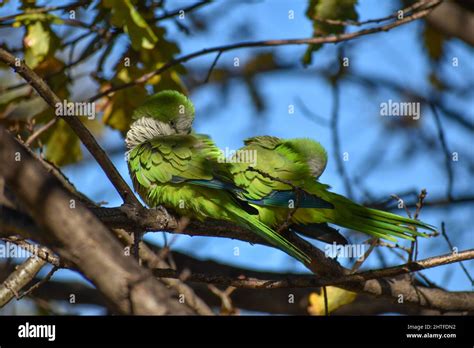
172	166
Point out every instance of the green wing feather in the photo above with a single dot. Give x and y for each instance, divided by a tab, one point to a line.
274	161
288	162
167	170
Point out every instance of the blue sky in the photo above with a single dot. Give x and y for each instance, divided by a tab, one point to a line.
396	55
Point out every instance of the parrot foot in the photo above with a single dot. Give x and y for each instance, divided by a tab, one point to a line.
148	219
160	215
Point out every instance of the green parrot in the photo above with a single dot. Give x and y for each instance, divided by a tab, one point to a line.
282	184
171	166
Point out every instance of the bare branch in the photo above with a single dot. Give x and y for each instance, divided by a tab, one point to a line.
335	137
40	131
407	10
451	246
447	155
452	19
270	43
24	274
152	261
82	132
185	10
38	284
212	66
309	281
77	236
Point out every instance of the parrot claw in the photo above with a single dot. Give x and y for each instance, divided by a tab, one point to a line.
161	215
148	219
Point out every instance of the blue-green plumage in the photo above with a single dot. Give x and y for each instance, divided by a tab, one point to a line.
173	167
284	180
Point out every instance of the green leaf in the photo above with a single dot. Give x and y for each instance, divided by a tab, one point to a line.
170	80
40	42
118	113
126	16
54	70
120	106
29	18
140	34
163	53
37	44
62	145
342	10
336	298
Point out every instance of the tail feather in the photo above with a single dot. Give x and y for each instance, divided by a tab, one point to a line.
397	219
391	226
271	236
366	227
376	222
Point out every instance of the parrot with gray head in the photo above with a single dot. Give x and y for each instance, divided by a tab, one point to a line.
172	166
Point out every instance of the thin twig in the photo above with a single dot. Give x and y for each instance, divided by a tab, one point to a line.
308	281
399	200
40	131
419	204
447	155
414	244
19	278
190	8
393	246
269	43
369	21
373	242
212	67
335	138
37	250
445	235
39	283
326	306
81	131
311	115
291	213
226	302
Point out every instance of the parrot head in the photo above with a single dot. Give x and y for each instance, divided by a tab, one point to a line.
313	154
169	107
164	113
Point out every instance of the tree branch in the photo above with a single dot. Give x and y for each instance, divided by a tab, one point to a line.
82	132
377	282
77	236
271	43
305	281
451	19
152	260
17	280
185	10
